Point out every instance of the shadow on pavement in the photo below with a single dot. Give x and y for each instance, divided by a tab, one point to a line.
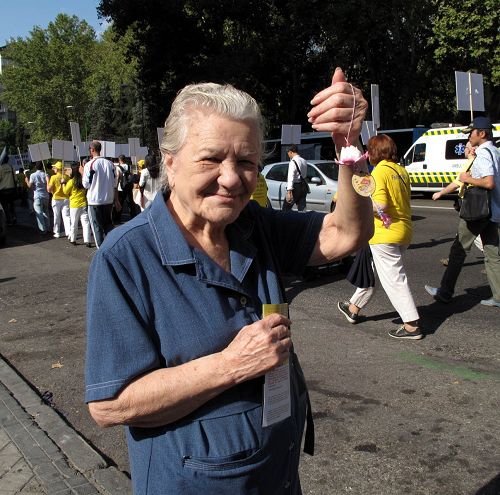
492	488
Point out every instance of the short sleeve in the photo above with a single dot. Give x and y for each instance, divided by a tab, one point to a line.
120	339
292	235
483	164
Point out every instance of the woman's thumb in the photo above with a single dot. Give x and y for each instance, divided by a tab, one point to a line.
338	76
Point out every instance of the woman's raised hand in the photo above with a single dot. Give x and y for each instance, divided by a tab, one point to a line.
339	109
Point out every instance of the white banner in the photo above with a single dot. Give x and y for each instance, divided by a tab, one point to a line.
75	133
375	105
159	132
134	145
39	152
64	150
368	130
290	134
142	152
122	149
470	91
108	149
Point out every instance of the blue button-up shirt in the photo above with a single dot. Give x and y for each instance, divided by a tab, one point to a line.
154	301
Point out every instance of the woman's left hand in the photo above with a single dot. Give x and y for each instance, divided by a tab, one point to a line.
339	109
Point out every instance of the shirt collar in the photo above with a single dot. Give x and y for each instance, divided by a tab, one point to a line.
174	249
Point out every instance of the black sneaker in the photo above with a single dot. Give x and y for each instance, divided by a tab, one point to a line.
344	309
402	333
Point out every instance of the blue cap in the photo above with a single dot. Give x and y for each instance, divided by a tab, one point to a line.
478	123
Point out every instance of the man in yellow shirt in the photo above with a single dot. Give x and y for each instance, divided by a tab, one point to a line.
60	201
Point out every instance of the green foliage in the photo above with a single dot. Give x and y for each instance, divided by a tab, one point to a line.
466	38
7	134
60	74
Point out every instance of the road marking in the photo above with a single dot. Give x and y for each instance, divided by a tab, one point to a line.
433	207
460	371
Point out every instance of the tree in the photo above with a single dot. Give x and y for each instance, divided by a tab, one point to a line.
7	134
47	74
466	37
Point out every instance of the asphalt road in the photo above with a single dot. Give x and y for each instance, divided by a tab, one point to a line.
414	417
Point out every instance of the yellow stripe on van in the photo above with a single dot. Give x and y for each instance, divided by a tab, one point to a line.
417	178
442	132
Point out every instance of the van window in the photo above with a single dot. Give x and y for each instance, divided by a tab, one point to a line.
419	153
455	149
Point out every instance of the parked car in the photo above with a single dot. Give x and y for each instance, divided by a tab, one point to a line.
322	177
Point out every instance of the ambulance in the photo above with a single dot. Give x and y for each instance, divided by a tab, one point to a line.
436	157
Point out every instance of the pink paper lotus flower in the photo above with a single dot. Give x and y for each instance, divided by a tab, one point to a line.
349	155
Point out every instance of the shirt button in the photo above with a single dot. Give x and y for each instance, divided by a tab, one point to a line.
292	445
243	300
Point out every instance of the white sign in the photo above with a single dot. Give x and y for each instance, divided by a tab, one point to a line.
368	130
277	402
470	91
75	133
142	152
122	149
375	105
39	152
134	145
290	134
64	150
108	149
159	132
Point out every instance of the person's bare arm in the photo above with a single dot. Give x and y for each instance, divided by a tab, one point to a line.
487	182
451	187
169	394
351	223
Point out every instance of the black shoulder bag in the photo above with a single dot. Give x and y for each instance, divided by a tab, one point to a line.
304	182
476	202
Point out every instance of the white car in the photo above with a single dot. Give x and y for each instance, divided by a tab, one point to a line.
322	178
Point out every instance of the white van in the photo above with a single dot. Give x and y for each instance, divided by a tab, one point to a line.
436	157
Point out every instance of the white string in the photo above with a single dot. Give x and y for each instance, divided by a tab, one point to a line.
352	116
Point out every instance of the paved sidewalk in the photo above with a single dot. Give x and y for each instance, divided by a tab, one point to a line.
41	454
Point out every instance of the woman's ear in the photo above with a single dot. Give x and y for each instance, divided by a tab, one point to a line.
168	163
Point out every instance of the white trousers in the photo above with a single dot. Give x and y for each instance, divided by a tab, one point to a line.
391	273
77	214
60	207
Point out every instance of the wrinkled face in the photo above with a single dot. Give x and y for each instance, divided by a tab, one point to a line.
213	175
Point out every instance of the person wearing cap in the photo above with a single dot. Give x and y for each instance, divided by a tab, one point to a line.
60	201
485	173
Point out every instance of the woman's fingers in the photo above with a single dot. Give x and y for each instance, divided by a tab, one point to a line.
339	109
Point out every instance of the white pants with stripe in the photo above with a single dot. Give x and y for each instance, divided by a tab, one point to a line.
391	273
60	208
79	214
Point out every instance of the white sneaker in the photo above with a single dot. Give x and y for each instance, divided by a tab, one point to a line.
490	302
57	235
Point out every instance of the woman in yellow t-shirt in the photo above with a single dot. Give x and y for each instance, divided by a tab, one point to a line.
77	194
392	237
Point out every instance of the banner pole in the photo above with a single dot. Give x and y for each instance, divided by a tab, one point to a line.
470	96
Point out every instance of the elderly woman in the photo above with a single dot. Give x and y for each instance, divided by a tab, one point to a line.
177	345
391	198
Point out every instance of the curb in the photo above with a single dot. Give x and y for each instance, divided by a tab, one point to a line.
84	458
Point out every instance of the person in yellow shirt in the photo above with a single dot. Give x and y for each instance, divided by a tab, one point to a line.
391	238
60	202
77	195
260	193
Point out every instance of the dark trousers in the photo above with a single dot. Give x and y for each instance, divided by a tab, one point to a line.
7	198
299	194
101	221
467	232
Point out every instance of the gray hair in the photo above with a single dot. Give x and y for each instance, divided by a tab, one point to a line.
224	100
